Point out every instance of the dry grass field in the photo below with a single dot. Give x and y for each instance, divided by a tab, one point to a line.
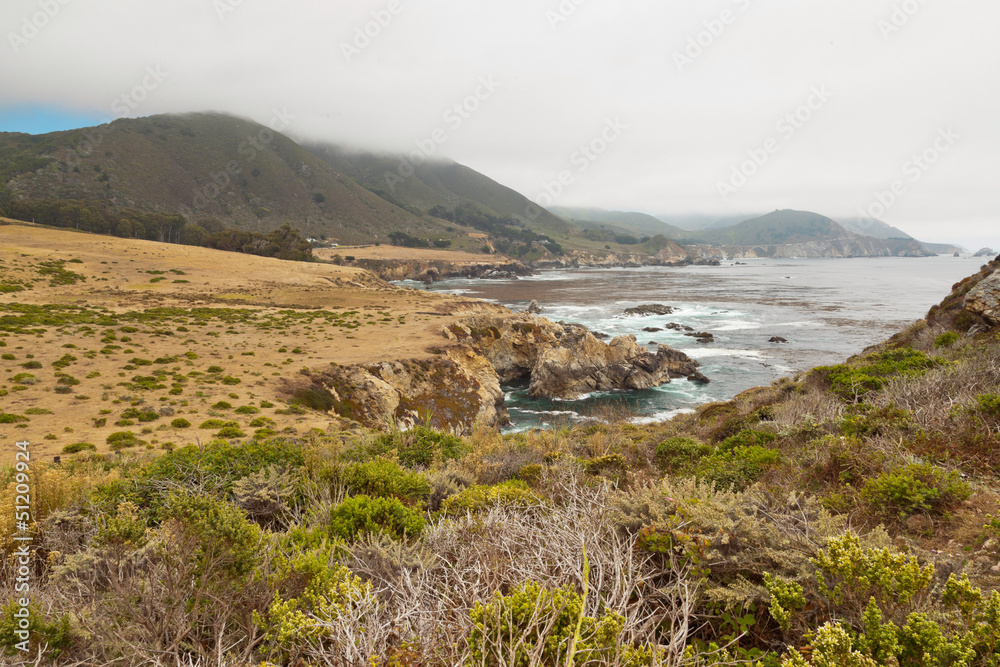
102	335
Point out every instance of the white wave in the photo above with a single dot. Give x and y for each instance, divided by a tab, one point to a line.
736	325
663	416
706	353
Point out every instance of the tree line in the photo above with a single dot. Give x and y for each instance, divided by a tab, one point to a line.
283	243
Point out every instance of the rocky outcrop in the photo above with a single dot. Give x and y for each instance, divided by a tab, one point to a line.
985	252
534	308
984	299
451	393
435	270
566	360
650	309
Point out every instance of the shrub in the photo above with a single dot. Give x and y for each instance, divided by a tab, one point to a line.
853	383
550	625
8	418
78	447
916	488
247	410
215	369
31	365
7	356
989	404
383	478
737	469
228	542
362	515
230	432
123	440
479	497
747	438
230	380
215	423
422	446
261	422
63	389
180	422
675	454
947	339
55	635
222	405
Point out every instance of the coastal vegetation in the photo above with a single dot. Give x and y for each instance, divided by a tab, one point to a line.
845	516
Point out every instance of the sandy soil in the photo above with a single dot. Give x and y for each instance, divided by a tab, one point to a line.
262	321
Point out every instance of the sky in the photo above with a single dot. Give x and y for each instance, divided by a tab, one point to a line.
888	109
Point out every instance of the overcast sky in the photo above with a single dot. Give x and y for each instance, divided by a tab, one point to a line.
699	106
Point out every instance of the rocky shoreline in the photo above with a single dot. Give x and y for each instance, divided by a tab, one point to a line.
460	386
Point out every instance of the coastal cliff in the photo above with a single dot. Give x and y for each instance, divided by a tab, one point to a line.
460	386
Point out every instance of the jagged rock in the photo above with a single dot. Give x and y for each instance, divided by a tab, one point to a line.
454	393
986	252
566	360
984	299
650	309
600	335
673	326
777	339
699	378
652	329
534	308
702	337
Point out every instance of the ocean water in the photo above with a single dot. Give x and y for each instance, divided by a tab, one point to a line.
828	310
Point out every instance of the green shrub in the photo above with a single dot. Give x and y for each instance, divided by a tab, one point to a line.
853	383
247	410
7	356
947	339
230	380
865	421
8	418
916	488
229	543
230	432
737	469
63	389
55	635
479	497
214	369
180	422
78	447
533	620
747	438
222	405
31	365
261	422
215	423
123	440
989	404
422	446
382	478
362	515
676	454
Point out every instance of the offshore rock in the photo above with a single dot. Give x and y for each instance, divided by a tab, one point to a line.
566	360
534	308
650	309
984	299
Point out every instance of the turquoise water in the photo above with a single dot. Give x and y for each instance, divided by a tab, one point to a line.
828	310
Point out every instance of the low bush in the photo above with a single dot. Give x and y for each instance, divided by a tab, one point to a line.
228	432
123	440
680	454
383	478
738	468
422	446
78	447
479	497
362	515
854	382
180	422
947	339
916	488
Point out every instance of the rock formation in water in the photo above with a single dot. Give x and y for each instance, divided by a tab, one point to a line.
650	309
566	360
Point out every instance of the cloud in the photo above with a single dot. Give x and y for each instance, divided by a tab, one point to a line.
698	84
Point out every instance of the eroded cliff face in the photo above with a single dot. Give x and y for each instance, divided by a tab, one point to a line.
984	299
434	270
566	360
859	246
452	393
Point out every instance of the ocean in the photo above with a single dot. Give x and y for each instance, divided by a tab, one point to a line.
827	310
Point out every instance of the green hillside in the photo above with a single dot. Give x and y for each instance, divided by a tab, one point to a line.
777	228
439	183
202	166
639	224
